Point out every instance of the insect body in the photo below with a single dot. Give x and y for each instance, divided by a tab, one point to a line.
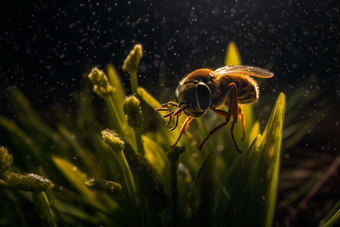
205	89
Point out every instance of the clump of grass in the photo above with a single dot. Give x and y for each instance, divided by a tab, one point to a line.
142	182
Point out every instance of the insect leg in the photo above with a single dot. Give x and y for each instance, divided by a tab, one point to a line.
176	123
234	111
232	137
162	109
183	129
243	122
170	103
212	132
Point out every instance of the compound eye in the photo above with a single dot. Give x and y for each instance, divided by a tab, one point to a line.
177	93
203	96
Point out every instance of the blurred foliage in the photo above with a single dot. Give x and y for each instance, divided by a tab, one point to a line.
211	187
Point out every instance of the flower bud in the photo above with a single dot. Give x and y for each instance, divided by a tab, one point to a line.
132	60
6	160
103	91
28	182
112	140
134	115
101	84
104	185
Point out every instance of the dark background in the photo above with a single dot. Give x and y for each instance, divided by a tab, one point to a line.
48	47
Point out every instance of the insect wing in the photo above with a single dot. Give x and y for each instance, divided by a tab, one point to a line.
242	70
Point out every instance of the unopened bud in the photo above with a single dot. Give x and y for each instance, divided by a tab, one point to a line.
112	140
101	84
28	182
103	91
6	160
133	112
104	185
132	60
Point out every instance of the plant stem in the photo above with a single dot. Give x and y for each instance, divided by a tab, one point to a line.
138	136
41	200
112	108
134	82
174	192
173	156
136	205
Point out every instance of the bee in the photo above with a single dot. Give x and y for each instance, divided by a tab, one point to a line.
205	89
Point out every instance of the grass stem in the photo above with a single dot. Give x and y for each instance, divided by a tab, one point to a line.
138	135
136	205
174	191
134	82
112	108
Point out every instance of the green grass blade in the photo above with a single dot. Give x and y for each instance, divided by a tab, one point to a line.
157	158
99	201
204	213
240	205
29	117
120	93
270	152
232	56
117	100
255	194
77	179
44	207
68	209
254	132
334	219
25	140
85	155
149	99
330	214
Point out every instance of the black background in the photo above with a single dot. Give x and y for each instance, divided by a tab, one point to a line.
48	47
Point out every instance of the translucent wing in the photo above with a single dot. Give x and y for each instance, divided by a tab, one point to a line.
242	70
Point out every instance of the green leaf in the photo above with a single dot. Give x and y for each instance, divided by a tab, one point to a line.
333	220
240	203
255	194
254	132
85	154
40	199
99	201
157	158
27	115
119	95
149	99
204	213
77	179
270	156
232	56
25	141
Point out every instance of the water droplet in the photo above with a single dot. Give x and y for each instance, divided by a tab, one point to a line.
75	156
264	197
286	155
74	168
